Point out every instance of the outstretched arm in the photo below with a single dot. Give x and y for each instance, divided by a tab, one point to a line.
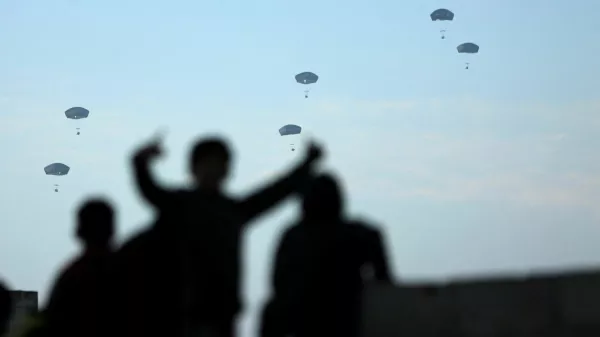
149	190
269	196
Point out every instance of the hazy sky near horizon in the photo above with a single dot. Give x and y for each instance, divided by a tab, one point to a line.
469	172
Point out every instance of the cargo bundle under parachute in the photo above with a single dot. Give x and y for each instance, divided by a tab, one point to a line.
57	169
468	48
288	130
77	113
306	78
443	15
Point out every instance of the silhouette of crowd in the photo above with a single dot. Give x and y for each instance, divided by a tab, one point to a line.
181	275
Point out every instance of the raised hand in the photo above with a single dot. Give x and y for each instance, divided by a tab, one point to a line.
314	153
149	151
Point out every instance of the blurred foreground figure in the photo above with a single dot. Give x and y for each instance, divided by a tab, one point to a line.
320	269
79	301
208	226
146	267
6	307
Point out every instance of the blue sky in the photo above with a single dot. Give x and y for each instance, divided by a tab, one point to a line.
493	169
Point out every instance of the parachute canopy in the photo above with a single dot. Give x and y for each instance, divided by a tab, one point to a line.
57	169
469	48
442	14
77	113
307	78
290	129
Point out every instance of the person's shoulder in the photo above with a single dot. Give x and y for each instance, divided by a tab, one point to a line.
291	231
135	241
75	262
70	269
363	226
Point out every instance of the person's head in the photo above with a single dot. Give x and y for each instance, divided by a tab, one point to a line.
95	224
209	162
323	200
6	307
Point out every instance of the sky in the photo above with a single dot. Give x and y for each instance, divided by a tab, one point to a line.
469	172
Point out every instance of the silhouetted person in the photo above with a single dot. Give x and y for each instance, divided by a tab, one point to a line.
6	307
148	276
209	226
320	268
79	301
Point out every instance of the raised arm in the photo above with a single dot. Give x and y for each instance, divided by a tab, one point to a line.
270	195
148	188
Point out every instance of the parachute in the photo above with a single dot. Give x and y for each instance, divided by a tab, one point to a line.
77	113
56	169
306	78
442	14
288	130
468	48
